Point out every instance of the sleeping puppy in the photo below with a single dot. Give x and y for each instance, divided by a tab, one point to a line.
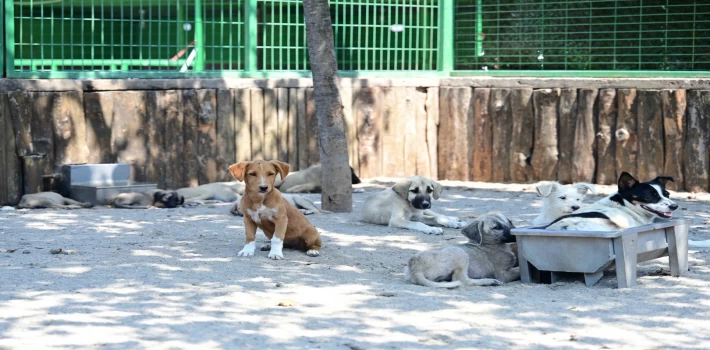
266	209
212	193
635	204
49	200
301	203
407	200
485	260
558	200
307	180
148	199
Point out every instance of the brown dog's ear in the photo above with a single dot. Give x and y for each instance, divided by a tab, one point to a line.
402	188
474	232
437	189
282	168
626	181
239	170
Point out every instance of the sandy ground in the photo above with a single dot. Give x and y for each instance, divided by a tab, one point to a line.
171	279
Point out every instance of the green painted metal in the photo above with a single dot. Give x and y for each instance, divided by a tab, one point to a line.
446	41
581	73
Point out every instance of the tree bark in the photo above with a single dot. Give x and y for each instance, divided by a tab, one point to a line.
336	192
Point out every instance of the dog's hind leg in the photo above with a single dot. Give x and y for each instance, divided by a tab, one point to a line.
235	210
69	201
431	218
420	279
510	275
313	242
305	188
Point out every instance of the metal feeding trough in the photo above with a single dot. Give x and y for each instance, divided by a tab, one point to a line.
99	183
546	255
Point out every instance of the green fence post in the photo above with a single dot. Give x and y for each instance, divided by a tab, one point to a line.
446	36
199	38
479	28
2	40
250	35
9	44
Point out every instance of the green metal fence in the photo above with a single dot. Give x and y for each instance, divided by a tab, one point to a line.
266	38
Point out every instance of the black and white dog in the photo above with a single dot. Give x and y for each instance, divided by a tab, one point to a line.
635	204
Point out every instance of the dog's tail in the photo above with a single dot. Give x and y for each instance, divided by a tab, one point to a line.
699	244
418	278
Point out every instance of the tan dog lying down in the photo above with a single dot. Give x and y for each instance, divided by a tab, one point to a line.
148	199
266	209
301	203
49	200
307	180
214	192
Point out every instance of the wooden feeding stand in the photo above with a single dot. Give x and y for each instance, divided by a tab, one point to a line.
545	254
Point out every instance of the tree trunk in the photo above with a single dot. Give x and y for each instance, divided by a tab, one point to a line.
336	187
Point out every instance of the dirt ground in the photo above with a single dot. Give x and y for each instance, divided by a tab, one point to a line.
171	279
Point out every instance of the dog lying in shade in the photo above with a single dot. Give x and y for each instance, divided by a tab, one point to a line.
307	180
148	199
49	200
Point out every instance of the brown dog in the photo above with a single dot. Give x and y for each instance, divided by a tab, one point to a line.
264	207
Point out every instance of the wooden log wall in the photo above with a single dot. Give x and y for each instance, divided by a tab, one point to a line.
180	138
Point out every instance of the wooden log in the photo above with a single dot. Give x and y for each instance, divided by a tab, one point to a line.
155	166
42	104
10	166
312	127
293	128
190	138
346	96
257	124
432	130
417	142
21	115
242	125
392	130
69	128
457	111
626	134
583	164
98	110
674	106
482	142
499	109
606	152
407	109
271	125
174	138
696	143
650	130
302	123
128	134
226	147
282	123
521	145
367	110
567	114
207	136
544	157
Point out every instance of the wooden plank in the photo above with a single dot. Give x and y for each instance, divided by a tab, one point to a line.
432	129
190	138
346	96
417	142
69	129
583	164
366	107
155	166
226	148
499	109
456	111
207	136
282	123
42	105
696	143
521	146
650	130
408	110
674	106
567	115
626	135
98	110
271	125
242	124
312	127
606	152
302	123
544	158
392	131
128	134
174	139
482	142
10	167
21	115
293	128
257	124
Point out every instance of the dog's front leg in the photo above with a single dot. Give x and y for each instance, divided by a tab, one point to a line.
250	232
443	220
277	241
509	275
416	226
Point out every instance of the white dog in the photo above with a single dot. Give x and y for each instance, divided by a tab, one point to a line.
558	200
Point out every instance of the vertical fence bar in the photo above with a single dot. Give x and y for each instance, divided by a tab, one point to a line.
199	37
2	40
250	35
9	48
446	37
479	28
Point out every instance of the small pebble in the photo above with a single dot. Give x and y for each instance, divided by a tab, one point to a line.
287	302
279	284
56	251
25	252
